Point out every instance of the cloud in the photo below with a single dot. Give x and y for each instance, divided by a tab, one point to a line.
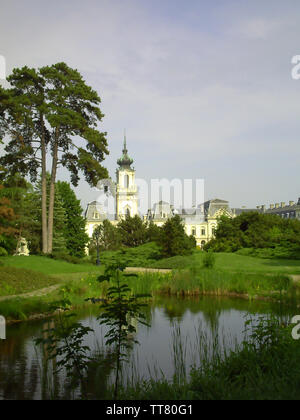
197	88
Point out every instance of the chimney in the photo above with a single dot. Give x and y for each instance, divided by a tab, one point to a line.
282	204
277	205
271	206
291	203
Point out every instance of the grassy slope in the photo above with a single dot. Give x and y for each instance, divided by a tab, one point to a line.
233	273
75	291
234	263
26	274
47	265
14	280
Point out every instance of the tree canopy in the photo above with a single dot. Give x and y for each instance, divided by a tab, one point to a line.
173	240
74	226
51	112
257	234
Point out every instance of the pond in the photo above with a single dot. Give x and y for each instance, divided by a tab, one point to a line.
182	331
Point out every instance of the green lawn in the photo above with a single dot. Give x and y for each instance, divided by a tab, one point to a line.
47	265
25	274
14	279
234	263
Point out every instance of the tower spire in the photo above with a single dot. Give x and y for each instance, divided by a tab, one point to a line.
124	148
125	161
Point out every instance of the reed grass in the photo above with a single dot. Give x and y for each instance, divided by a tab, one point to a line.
214	282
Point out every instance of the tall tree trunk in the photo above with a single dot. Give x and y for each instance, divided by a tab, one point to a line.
44	194
52	194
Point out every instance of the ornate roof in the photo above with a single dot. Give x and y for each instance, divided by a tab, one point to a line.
125	161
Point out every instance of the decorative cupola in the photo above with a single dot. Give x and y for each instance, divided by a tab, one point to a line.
126	193
125	161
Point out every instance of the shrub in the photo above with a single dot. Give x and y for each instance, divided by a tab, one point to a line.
262	235
3	252
141	256
209	259
66	257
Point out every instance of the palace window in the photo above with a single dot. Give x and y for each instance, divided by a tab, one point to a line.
96	215
193	231
203	232
126	181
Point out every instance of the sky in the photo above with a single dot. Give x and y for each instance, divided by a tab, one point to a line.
203	88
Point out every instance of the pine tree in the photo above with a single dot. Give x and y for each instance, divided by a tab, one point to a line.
133	231
59	216
173	239
74	227
44	113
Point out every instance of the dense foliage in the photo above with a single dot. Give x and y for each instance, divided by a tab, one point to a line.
43	114
74	226
258	234
133	231
8	229
173	240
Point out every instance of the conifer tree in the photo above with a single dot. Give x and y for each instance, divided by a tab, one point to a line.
74	227
59	215
173	239
44	113
133	231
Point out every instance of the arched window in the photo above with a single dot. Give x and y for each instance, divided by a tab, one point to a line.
126	181
127	212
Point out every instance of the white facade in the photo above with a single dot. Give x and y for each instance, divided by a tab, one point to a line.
199	222
126	194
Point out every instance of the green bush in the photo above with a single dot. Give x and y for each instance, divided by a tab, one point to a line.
255	234
66	257
3	252
141	256
209	259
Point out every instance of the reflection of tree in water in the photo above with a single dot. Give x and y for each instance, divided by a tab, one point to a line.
211	317
99	374
173	308
19	376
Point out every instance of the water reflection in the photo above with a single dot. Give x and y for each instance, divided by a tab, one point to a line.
22	364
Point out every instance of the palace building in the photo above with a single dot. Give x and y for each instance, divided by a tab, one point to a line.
200	221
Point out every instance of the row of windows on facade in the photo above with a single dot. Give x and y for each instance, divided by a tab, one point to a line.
213	230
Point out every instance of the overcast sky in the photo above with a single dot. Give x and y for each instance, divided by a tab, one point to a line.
203	88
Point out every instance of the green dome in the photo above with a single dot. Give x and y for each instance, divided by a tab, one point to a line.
125	161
